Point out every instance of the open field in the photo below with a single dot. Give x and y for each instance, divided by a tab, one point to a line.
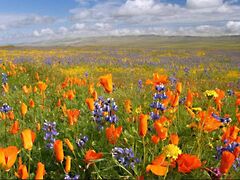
174	113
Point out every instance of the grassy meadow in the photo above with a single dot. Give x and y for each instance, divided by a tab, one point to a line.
150	110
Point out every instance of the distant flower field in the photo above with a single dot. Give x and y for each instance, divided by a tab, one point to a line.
119	113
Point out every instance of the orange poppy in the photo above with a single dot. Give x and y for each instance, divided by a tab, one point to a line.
3	116
91	88
22	172
106	82
157	79
158	166
70	94
207	122
175	100
128	106
31	103
166	101
69	144
143	125
161	130
236	151
23	109
40	171
27	90
8	157
238	117
179	87
230	134
227	161
28	137
73	115
90	103
187	163
38	127
189	100
68	164
92	156
94	95
218	99
59	103
174	139
5	87
42	86
15	127
11	115
58	150
113	133
155	139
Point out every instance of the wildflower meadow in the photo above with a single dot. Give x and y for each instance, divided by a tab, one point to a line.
117	112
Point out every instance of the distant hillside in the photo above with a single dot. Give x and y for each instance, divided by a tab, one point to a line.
146	41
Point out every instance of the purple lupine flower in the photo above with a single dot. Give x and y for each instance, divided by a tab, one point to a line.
230	147
221	119
50	133
230	92
4	78
140	84
105	110
125	156
5	108
68	177
82	141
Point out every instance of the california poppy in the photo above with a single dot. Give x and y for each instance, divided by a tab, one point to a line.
23	109
161	130
11	115
143	125
157	79
230	134
106	82
218	99
187	163
227	161
91	88
8	157
58	150
95	95
158	166
155	139
28	137
22	172
189	100
27	90
113	133
40	171
5	87
179	87
175	100
15	127
68	164
90	103
42	86
128	106
92	156
69	144
174	139
31	103
73	115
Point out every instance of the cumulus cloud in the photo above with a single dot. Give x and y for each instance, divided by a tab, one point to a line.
204	3
233	26
43	32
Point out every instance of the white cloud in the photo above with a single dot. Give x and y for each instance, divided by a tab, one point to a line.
204	3
63	30
43	32
78	26
233	26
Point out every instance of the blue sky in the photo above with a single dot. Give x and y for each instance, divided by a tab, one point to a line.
39	20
